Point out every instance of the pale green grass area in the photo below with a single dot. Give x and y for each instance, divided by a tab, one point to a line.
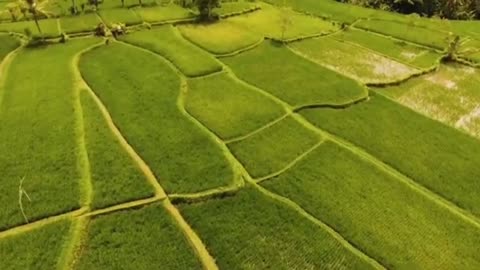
436	156
167	42
143	104
114	175
80	23
164	13
140	239
241	108
384	217
228	8
403	52
49	27
36	249
39	142
450	95
252	231
8	44
297	81
434	38
273	148
222	37
269	20
353	61
126	16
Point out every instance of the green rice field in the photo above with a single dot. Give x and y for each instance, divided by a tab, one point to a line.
249	135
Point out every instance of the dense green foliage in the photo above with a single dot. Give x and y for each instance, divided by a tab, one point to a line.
384	217
38	134
252	231
167	42
143	104
354	61
114	176
37	249
142	239
297	81
434	155
8	44
242	108
273	148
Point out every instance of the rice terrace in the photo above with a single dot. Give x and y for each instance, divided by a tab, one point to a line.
241	134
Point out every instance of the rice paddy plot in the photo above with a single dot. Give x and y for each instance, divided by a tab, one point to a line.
167	42
293	79
222	37
275	147
353	61
126	16
144	105
407	31
252	231
434	155
231	8
158	14
40	248
49	27
450	95
286	24
368	207
114	175
401	51
79	23
39	123
9	44
242	109
145	238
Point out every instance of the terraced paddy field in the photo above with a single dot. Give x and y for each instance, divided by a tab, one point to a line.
273	138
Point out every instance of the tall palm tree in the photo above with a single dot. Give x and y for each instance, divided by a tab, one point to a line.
34	7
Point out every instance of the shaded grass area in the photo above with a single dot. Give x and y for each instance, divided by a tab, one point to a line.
404	52
242	109
38	134
36	249
353	61
80	23
273	148
164	13
222	37
403	30
165	41
438	157
145	238
123	15
8	44
143	104
391	222
251	231
450	95
114	176
297	81
268	22
49	27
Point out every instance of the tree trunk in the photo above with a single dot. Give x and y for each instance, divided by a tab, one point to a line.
35	18
74	7
477	8
140	2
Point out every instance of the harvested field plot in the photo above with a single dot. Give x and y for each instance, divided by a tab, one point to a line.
355	62
268	66
450	95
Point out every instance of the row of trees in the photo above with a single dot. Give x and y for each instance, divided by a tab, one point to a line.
449	9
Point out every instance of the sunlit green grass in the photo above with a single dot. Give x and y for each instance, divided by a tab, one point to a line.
164	13
252	231
113	16
38	135
297	81
241	108
167	42
49	27
273	148
114	175
143	239
227	8
436	156
36	249
80	23
387	219
143	104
